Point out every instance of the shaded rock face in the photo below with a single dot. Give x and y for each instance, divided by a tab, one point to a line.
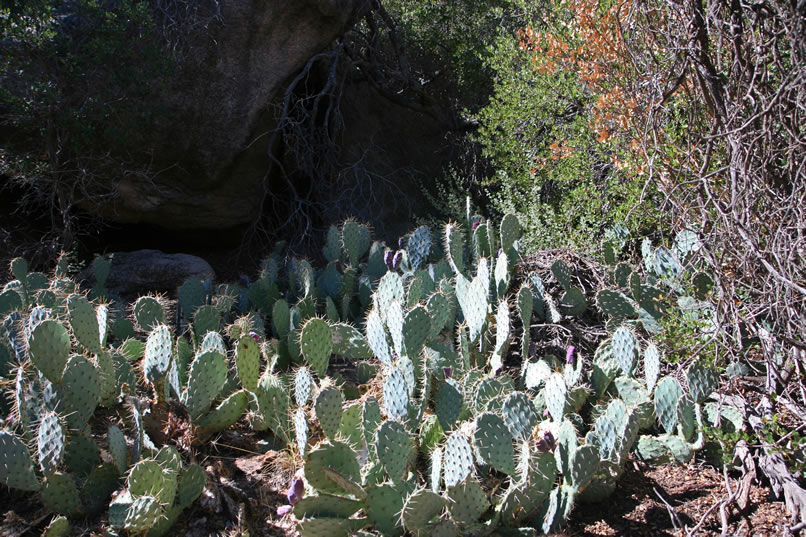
137	272
206	144
399	150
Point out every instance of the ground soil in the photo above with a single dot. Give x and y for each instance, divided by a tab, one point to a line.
693	493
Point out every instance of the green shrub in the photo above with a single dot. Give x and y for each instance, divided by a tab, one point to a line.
561	161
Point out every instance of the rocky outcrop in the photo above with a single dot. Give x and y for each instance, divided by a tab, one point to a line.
141	271
211	145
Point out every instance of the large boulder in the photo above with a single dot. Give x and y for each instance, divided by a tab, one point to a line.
210	147
142	271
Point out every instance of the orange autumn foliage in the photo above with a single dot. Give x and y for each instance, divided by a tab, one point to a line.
589	43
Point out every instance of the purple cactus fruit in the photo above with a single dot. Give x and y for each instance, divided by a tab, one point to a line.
546	442
296	491
388	257
401	243
546	413
397	259
569	355
255	336
475	224
447	371
500	251
283	510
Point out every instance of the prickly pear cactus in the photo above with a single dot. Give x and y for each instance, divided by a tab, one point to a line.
158	354
328	410
16	465
316	343
49	348
207	376
247	362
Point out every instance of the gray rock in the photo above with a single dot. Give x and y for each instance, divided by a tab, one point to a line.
136	273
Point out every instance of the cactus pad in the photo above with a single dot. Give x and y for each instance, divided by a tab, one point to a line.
81	455
419	246
49	348
457	462
376	337
190	485
148	313
273	401
60	494
349	342
448	404
653	450
468	502
562	274
420	509
472	298
158	353
303	386
702	381
84	322
206	319
390	288
316	343
206	378
439	310
665	264
686	242
328	410
396	395
226	414
383	506
301	430
392	446
80	391
281	318
519	415
555	395
454	247
651	365
117	448
615	304
247	362
326	505
370	419
668	394
624	349
394	322
584	464
50	442
351	241
58	527
191	295
337	457
510	231
143	514
16	466
493	443
145	478
416	329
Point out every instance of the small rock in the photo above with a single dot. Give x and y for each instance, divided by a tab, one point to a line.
136	273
